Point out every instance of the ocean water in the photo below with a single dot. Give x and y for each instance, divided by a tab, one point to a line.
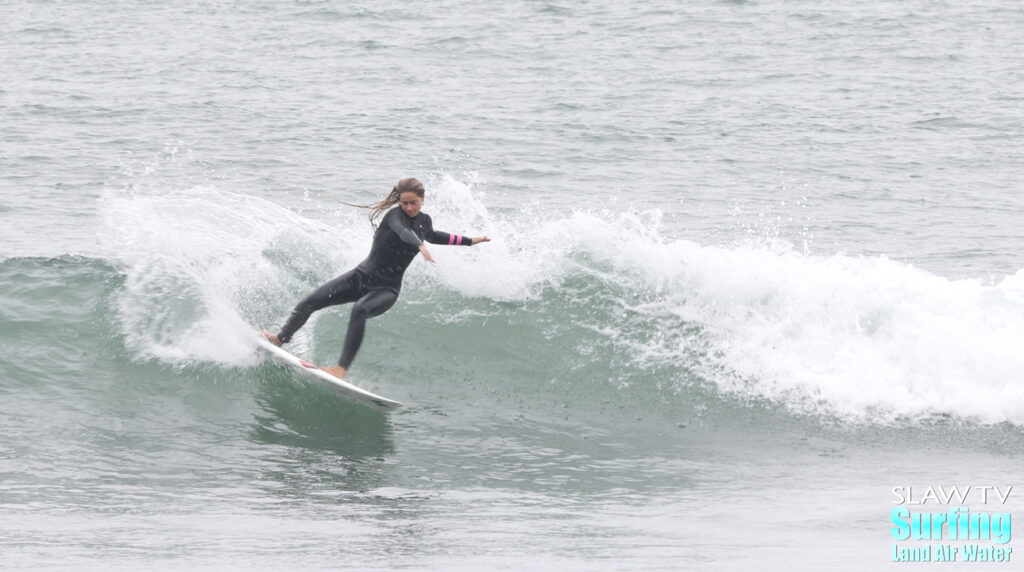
756	280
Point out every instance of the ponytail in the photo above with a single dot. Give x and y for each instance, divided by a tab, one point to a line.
404	186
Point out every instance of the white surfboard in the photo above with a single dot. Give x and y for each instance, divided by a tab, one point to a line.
314	373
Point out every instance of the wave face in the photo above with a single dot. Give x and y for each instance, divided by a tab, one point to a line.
604	299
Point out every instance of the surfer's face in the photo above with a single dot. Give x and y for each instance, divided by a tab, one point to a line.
411	203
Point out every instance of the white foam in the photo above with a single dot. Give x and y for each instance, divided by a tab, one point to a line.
868	338
199	263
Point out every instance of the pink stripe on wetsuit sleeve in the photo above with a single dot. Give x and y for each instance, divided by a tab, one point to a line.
455	239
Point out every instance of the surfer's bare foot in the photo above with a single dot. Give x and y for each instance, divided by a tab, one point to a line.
271	338
336	371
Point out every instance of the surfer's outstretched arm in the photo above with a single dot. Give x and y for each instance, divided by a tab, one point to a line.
441	237
452	239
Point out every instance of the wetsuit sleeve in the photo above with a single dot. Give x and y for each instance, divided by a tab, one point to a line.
439	237
393	221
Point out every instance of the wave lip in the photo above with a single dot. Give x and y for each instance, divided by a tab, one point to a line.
863	338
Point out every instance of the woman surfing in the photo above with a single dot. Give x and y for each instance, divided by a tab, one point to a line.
373	285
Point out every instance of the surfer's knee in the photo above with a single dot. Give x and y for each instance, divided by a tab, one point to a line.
360	311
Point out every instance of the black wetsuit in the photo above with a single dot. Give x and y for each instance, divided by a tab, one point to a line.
375	283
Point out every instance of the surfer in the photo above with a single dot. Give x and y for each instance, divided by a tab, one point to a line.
373	285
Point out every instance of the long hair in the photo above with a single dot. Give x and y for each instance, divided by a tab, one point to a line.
407	185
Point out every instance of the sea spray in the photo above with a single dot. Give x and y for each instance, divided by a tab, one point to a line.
201	263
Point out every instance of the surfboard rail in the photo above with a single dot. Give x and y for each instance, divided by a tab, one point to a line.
338	385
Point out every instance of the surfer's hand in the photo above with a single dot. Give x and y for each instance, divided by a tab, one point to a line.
426	253
479	239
